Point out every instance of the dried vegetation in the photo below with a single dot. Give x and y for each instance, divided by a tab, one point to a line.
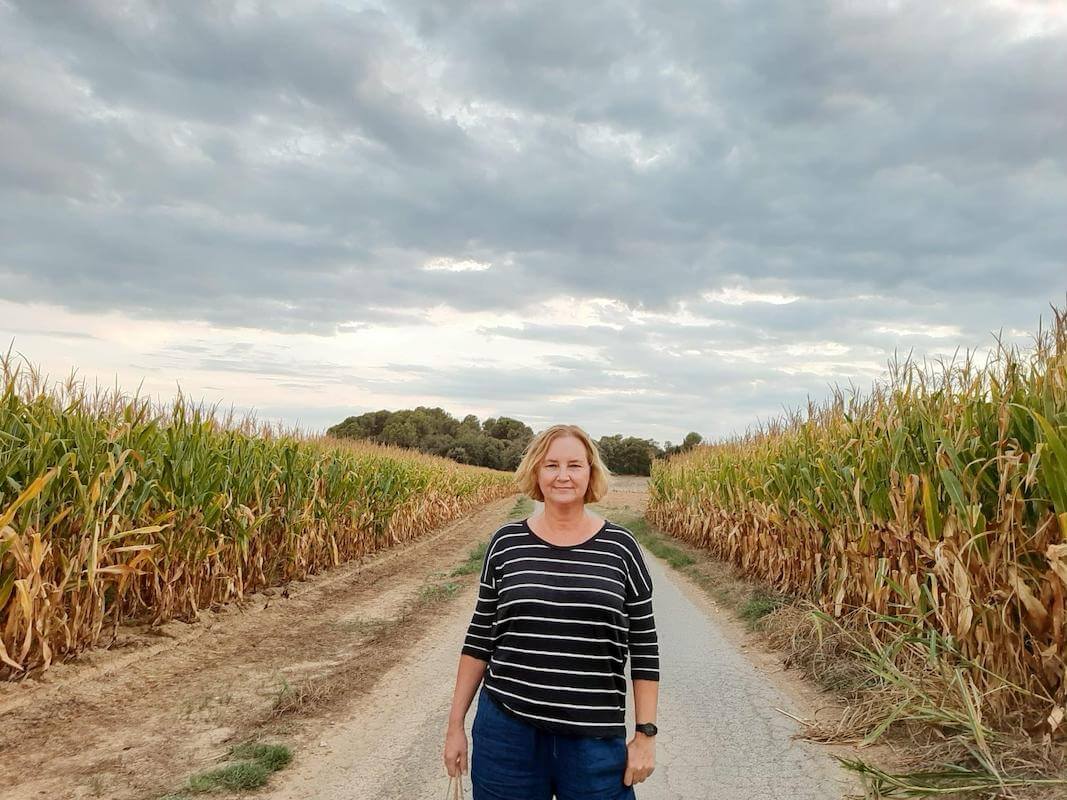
114	508
925	524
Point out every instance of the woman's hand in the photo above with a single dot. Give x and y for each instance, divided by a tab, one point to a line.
640	758
455	750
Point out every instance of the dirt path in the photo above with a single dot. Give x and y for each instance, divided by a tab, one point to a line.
721	738
134	721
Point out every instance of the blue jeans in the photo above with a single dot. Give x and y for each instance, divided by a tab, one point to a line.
512	760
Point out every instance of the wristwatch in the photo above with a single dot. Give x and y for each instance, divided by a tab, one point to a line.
647	728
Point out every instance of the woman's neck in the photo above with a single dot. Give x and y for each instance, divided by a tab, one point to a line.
569	519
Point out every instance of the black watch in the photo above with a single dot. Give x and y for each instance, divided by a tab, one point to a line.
647	728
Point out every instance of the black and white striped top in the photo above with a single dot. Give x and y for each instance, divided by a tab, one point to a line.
557	623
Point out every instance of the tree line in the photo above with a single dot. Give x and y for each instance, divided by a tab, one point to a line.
496	442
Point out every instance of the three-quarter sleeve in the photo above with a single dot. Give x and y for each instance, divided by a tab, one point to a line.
643	639
479	641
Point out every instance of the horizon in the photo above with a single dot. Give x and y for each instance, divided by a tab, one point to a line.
238	416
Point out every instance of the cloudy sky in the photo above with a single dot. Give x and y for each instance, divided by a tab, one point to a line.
645	218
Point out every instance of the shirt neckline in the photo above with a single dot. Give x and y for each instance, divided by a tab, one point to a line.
526	525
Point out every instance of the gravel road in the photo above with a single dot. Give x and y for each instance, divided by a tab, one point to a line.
720	735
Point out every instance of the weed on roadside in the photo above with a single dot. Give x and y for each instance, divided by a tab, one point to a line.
289	698
523	508
759	604
657	545
283	693
251	765
204	705
915	687
473	564
436	592
272	756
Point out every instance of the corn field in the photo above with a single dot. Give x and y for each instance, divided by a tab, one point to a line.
939	499
113	508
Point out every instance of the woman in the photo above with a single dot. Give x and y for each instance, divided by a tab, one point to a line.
565	597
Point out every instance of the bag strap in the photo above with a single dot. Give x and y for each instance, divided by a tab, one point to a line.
455	793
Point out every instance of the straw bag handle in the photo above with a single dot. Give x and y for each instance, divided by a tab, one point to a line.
457	792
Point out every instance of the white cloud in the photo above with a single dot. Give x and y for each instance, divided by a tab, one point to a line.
737	296
920	329
456	264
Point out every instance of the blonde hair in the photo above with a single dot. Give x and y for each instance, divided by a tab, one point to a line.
526	474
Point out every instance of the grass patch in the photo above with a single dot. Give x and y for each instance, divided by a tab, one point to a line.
658	545
437	592
233	777
251	765
473	563
271	756
759	604
523	507
474	560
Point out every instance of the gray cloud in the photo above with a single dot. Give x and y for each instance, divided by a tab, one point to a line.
292	167
55	334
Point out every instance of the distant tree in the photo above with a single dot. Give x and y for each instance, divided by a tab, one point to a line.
400	431
691	440
609	447
459	454
479	447
365	426
507	428
437	444
512	455
498	442
493	452
629	456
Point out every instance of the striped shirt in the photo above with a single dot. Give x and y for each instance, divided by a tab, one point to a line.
557	623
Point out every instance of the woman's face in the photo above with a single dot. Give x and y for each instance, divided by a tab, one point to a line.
564	472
